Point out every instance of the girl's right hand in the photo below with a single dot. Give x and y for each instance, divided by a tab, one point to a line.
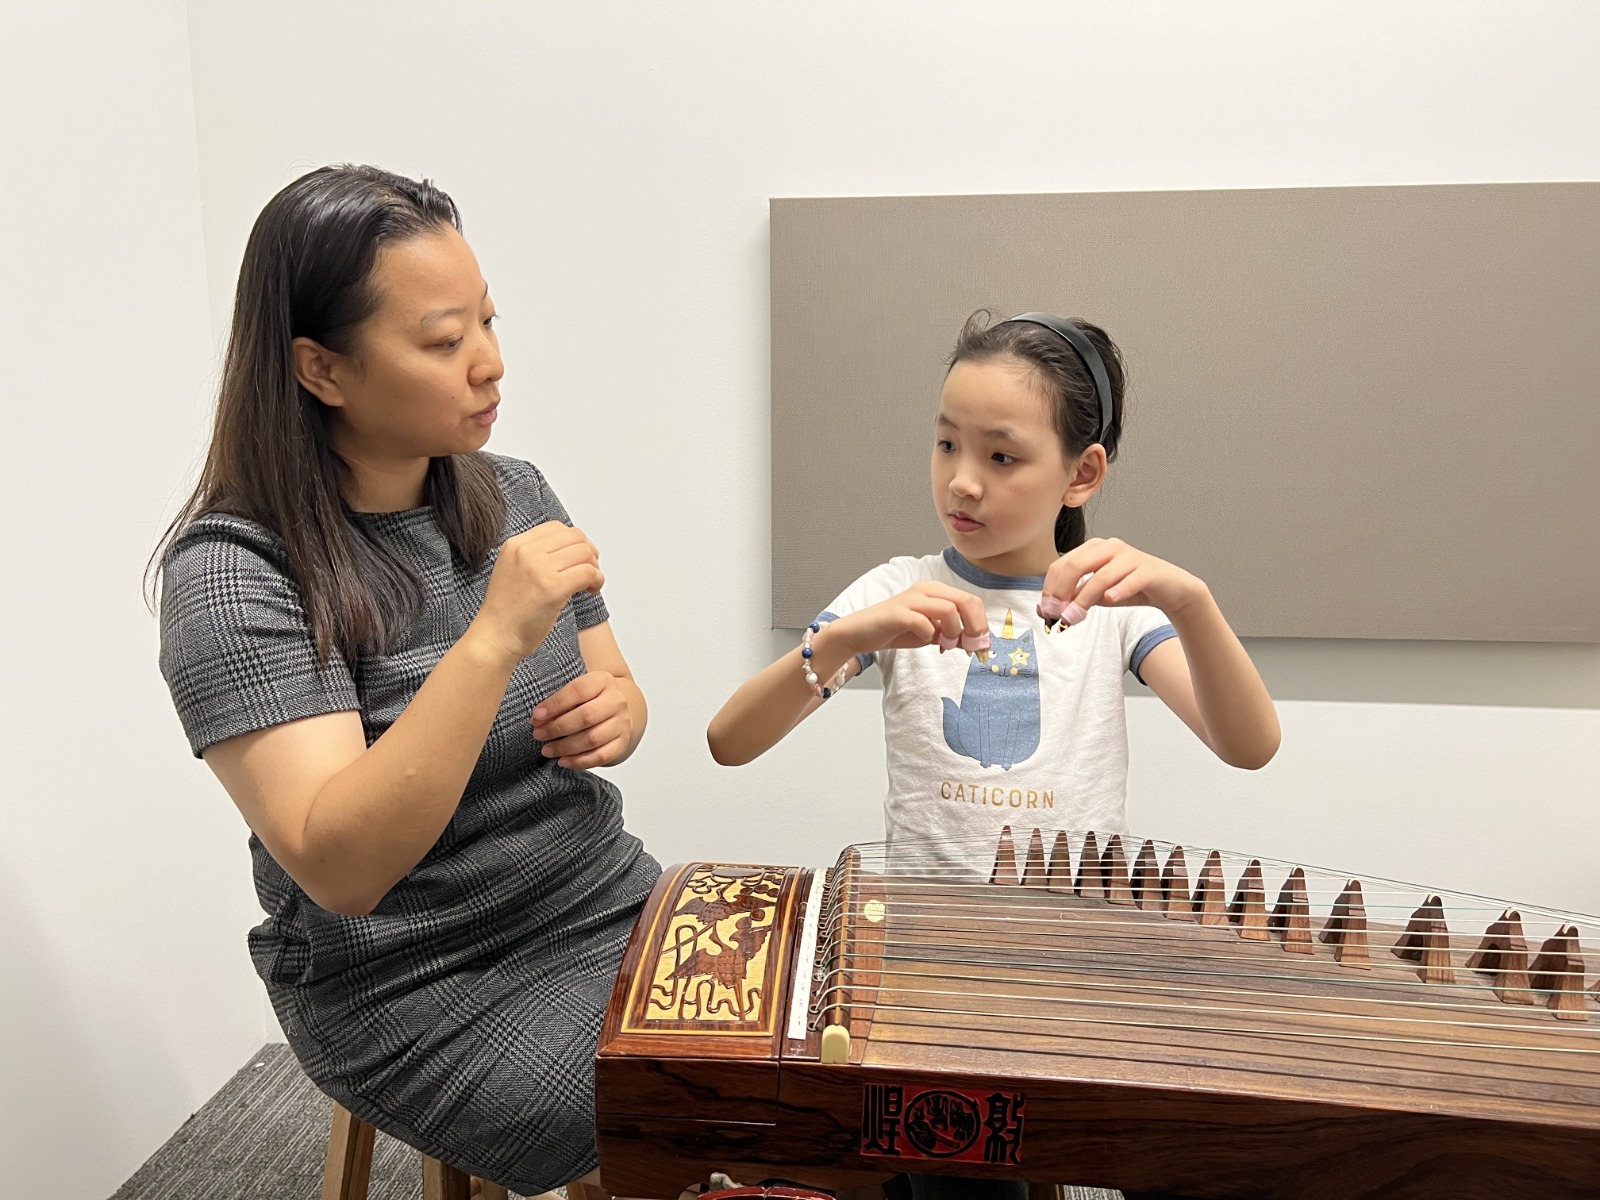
536	574
925	614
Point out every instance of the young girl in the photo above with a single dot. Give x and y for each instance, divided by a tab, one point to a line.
1027	727
391	649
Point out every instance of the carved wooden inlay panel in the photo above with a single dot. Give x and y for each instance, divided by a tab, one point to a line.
711	965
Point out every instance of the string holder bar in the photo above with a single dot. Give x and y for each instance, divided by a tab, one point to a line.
1558	972
1060	877
1426	942
1005	861
1091	875
1346	928
1146	882
1210	895
1114	869
1175	901
1503	956
1035	871
1291	916
1249	908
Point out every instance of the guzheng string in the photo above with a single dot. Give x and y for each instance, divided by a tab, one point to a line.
913	887
1260	1031
1231	1010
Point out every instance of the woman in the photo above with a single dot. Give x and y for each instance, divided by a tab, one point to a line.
361	615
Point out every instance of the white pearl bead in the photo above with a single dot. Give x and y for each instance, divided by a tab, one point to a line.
811	678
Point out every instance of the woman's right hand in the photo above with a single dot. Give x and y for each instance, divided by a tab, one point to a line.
536	574
925	614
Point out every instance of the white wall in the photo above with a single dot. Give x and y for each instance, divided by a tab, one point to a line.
614	161
126	997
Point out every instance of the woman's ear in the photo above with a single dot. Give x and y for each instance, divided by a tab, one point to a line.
318	370
1087	474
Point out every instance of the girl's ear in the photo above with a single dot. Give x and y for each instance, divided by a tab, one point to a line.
1087	474
317	369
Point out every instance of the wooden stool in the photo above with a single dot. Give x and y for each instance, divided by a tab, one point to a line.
350	1164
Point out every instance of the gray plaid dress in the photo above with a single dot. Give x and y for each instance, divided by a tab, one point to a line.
462	1014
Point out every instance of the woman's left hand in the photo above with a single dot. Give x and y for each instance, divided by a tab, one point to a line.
1118	575
586	724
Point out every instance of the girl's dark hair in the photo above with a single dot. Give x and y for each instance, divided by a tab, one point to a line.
1068	388
307	272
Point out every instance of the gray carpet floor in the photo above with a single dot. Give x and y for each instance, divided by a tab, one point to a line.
264	1136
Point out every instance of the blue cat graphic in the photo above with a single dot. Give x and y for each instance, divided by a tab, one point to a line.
996	721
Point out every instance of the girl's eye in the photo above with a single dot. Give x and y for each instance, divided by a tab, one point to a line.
1005	460
944	445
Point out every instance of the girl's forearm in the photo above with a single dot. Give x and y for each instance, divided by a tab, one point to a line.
772	702
1240	720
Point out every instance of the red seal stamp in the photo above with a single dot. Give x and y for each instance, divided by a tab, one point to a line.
953	1124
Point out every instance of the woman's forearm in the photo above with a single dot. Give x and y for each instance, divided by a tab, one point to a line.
373	821
1240	720
638	711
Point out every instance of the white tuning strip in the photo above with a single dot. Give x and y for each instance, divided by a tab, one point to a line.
805	959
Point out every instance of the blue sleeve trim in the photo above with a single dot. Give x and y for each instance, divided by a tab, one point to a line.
863	661
1146	644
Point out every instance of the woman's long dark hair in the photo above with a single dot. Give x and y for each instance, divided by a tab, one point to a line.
307	272
1068	388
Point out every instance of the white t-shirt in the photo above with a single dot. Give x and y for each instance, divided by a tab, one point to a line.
1035	737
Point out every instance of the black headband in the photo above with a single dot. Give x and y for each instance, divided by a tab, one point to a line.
1084	348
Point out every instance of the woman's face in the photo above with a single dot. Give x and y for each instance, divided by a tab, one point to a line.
423	376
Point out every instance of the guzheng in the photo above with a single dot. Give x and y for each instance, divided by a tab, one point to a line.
1080	1008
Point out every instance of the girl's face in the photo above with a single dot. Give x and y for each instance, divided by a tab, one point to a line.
423	378
1000	474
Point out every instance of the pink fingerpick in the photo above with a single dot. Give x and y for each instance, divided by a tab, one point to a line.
1073	613
1049	607
948	643
974	641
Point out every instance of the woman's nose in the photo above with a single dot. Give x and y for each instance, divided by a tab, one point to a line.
489	366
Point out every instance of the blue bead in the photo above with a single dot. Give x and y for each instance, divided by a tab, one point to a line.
805	651
826	693
815	628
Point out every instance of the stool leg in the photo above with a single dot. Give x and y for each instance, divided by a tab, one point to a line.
349	1161
440	1181
491	1191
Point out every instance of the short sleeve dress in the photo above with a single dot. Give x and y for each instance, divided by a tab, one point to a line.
462	1014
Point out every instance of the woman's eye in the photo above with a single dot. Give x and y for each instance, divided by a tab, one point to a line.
488	322
450	344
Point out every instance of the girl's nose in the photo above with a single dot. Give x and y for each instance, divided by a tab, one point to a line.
963	483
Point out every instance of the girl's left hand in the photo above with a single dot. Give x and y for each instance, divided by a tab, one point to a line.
1118	575
586	724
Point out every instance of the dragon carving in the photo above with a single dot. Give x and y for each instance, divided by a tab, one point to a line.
713	956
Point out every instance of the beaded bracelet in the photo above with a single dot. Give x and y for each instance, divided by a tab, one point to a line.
840	677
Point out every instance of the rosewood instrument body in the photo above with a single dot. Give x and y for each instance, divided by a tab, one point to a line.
1066	1025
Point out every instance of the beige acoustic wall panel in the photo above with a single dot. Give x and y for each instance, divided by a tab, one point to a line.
1355	412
